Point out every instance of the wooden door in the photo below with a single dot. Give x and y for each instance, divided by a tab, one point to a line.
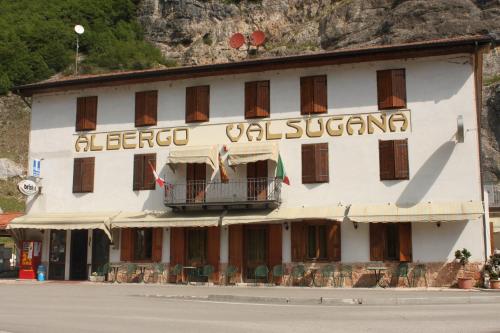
257	181
196	182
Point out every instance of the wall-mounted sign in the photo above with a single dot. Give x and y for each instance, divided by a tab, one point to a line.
27	187
35	168
251	131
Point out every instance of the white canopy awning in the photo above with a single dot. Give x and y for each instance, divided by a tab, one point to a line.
496	223
420	212
196	154
244	153
334	213
166	219
64	221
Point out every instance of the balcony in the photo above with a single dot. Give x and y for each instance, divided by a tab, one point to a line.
493	195
238	193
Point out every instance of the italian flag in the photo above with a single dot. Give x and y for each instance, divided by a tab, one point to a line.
281	173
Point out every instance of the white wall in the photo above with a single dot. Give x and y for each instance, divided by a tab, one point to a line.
438	90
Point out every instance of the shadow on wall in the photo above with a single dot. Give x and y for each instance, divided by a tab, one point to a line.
425	177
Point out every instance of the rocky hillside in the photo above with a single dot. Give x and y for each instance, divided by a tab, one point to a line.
197	32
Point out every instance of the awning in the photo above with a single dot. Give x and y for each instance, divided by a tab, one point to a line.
64	221
166	219
244	153
196	154
6	218
334	213
496	223
421	212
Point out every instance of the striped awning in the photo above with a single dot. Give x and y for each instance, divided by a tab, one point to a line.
166	219
244	153
420	212
196	154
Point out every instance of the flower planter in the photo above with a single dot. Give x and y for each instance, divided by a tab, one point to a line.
98	278
465	283
495	284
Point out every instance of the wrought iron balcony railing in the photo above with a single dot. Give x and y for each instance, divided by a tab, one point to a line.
248	192
493	195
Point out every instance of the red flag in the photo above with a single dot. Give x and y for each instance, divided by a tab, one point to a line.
160	181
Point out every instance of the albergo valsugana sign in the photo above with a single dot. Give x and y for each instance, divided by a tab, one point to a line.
295	128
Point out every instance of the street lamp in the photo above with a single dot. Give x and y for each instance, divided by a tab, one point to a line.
79	30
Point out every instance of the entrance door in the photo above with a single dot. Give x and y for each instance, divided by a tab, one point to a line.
255	248
196	175
257	181
100	250
78	263
57	254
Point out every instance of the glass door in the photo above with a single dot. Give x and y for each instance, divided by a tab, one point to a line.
57	254
255	249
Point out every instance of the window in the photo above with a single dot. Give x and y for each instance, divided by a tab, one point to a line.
146	105
83	175
391	89
313	94
196	246
257	102
197	104
316	240
390	241
141	244
86	113
144	178
315	163
196	175
393	159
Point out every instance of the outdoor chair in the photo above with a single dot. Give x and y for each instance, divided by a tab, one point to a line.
418	272
402	272
159	269
261	272
176	271
105	269
278	272
230	273
131	269
298	271
207	271
327	271
345	272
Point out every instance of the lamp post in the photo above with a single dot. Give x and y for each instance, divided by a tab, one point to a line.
79	30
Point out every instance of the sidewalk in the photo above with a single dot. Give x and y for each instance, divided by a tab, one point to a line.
278	295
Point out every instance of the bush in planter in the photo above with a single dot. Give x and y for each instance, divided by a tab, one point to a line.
462	256
493	269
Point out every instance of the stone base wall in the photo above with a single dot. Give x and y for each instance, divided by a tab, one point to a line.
438	274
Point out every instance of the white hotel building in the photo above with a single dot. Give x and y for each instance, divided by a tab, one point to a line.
380	146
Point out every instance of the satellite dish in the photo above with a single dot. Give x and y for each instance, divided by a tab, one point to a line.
237	40
79	29
460	129
258	38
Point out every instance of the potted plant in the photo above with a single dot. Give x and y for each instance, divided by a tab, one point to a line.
493	269
96	277
462	256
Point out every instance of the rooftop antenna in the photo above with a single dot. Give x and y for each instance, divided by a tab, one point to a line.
79	30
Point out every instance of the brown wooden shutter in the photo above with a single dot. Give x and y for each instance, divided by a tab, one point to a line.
77	175
87	174
377	241
250	100
140	108
138	172
299	232
308	164
320	94
386	159
263	99
405	244
334	247
236	248
202	103
401	167
306	95
275	243
80	114
91	113
391	89
190	104
213	249
149	178
492	238
321	162
157	244
126	247
151	111
177	246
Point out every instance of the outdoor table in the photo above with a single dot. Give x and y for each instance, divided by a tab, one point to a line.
115	268
188	269
378	275
313	272
142	269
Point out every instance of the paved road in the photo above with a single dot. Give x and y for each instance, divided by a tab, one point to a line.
128	308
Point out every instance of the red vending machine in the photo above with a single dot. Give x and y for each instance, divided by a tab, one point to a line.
31	255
